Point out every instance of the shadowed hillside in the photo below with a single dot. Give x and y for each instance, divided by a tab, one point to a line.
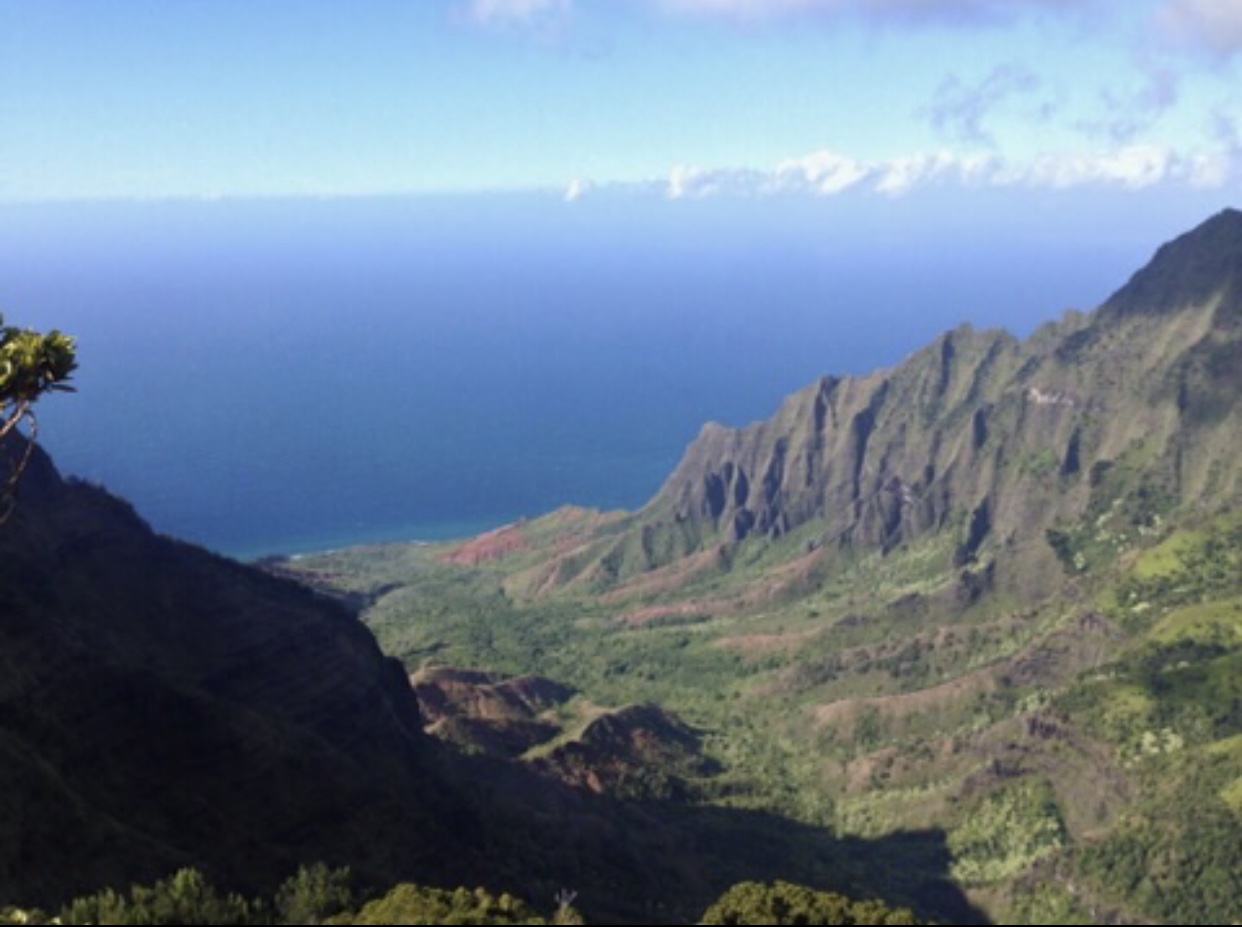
160	706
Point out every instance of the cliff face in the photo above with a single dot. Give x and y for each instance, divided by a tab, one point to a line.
871	457
160	707
993	440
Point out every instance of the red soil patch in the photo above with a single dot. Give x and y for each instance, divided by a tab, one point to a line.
492	546
673	577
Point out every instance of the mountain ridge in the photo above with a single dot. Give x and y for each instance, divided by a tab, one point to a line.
979	432
1198	265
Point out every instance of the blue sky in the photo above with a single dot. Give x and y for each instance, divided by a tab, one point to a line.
680	98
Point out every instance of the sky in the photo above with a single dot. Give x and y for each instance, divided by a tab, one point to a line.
680	99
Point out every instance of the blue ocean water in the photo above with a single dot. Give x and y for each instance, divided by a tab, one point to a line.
284	376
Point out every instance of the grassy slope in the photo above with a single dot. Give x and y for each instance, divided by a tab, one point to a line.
1059	740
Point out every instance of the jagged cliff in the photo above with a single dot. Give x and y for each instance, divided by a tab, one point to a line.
982	437
160	706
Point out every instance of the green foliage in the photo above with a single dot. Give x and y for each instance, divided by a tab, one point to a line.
752	679
314	894
783	903
1131	499
1040	464
1202	568
1181	681
410	904
1171	708
11	915
1007	833
1197	687
1176	857
1039	901
185	898
32	364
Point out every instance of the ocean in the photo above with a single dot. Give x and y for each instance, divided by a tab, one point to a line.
284	376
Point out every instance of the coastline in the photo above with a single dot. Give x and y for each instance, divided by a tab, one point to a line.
298	548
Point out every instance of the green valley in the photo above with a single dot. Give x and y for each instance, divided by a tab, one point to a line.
994	593
958	641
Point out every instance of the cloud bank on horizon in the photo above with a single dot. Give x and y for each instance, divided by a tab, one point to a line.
828	173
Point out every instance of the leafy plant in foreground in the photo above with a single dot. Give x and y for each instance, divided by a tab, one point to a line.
31	365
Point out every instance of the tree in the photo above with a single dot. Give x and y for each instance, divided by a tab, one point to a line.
411	904
31	365
314	894
184	898
783	903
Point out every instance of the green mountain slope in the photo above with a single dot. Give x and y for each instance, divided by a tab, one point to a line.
979	436
992	591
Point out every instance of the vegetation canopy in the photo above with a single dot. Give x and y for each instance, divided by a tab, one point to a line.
319	895
31	365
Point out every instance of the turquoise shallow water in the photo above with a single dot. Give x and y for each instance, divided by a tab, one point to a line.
291	376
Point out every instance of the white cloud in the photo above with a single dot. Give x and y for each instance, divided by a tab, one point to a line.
1126	114
830	173
824	172
1211	171
899	176
960	110
1133	167
1214	25
578	188
500	12
687	182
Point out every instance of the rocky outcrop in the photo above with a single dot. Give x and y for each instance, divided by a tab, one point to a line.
641	751
637	752
487	713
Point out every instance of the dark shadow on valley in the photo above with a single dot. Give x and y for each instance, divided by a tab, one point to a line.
636	862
